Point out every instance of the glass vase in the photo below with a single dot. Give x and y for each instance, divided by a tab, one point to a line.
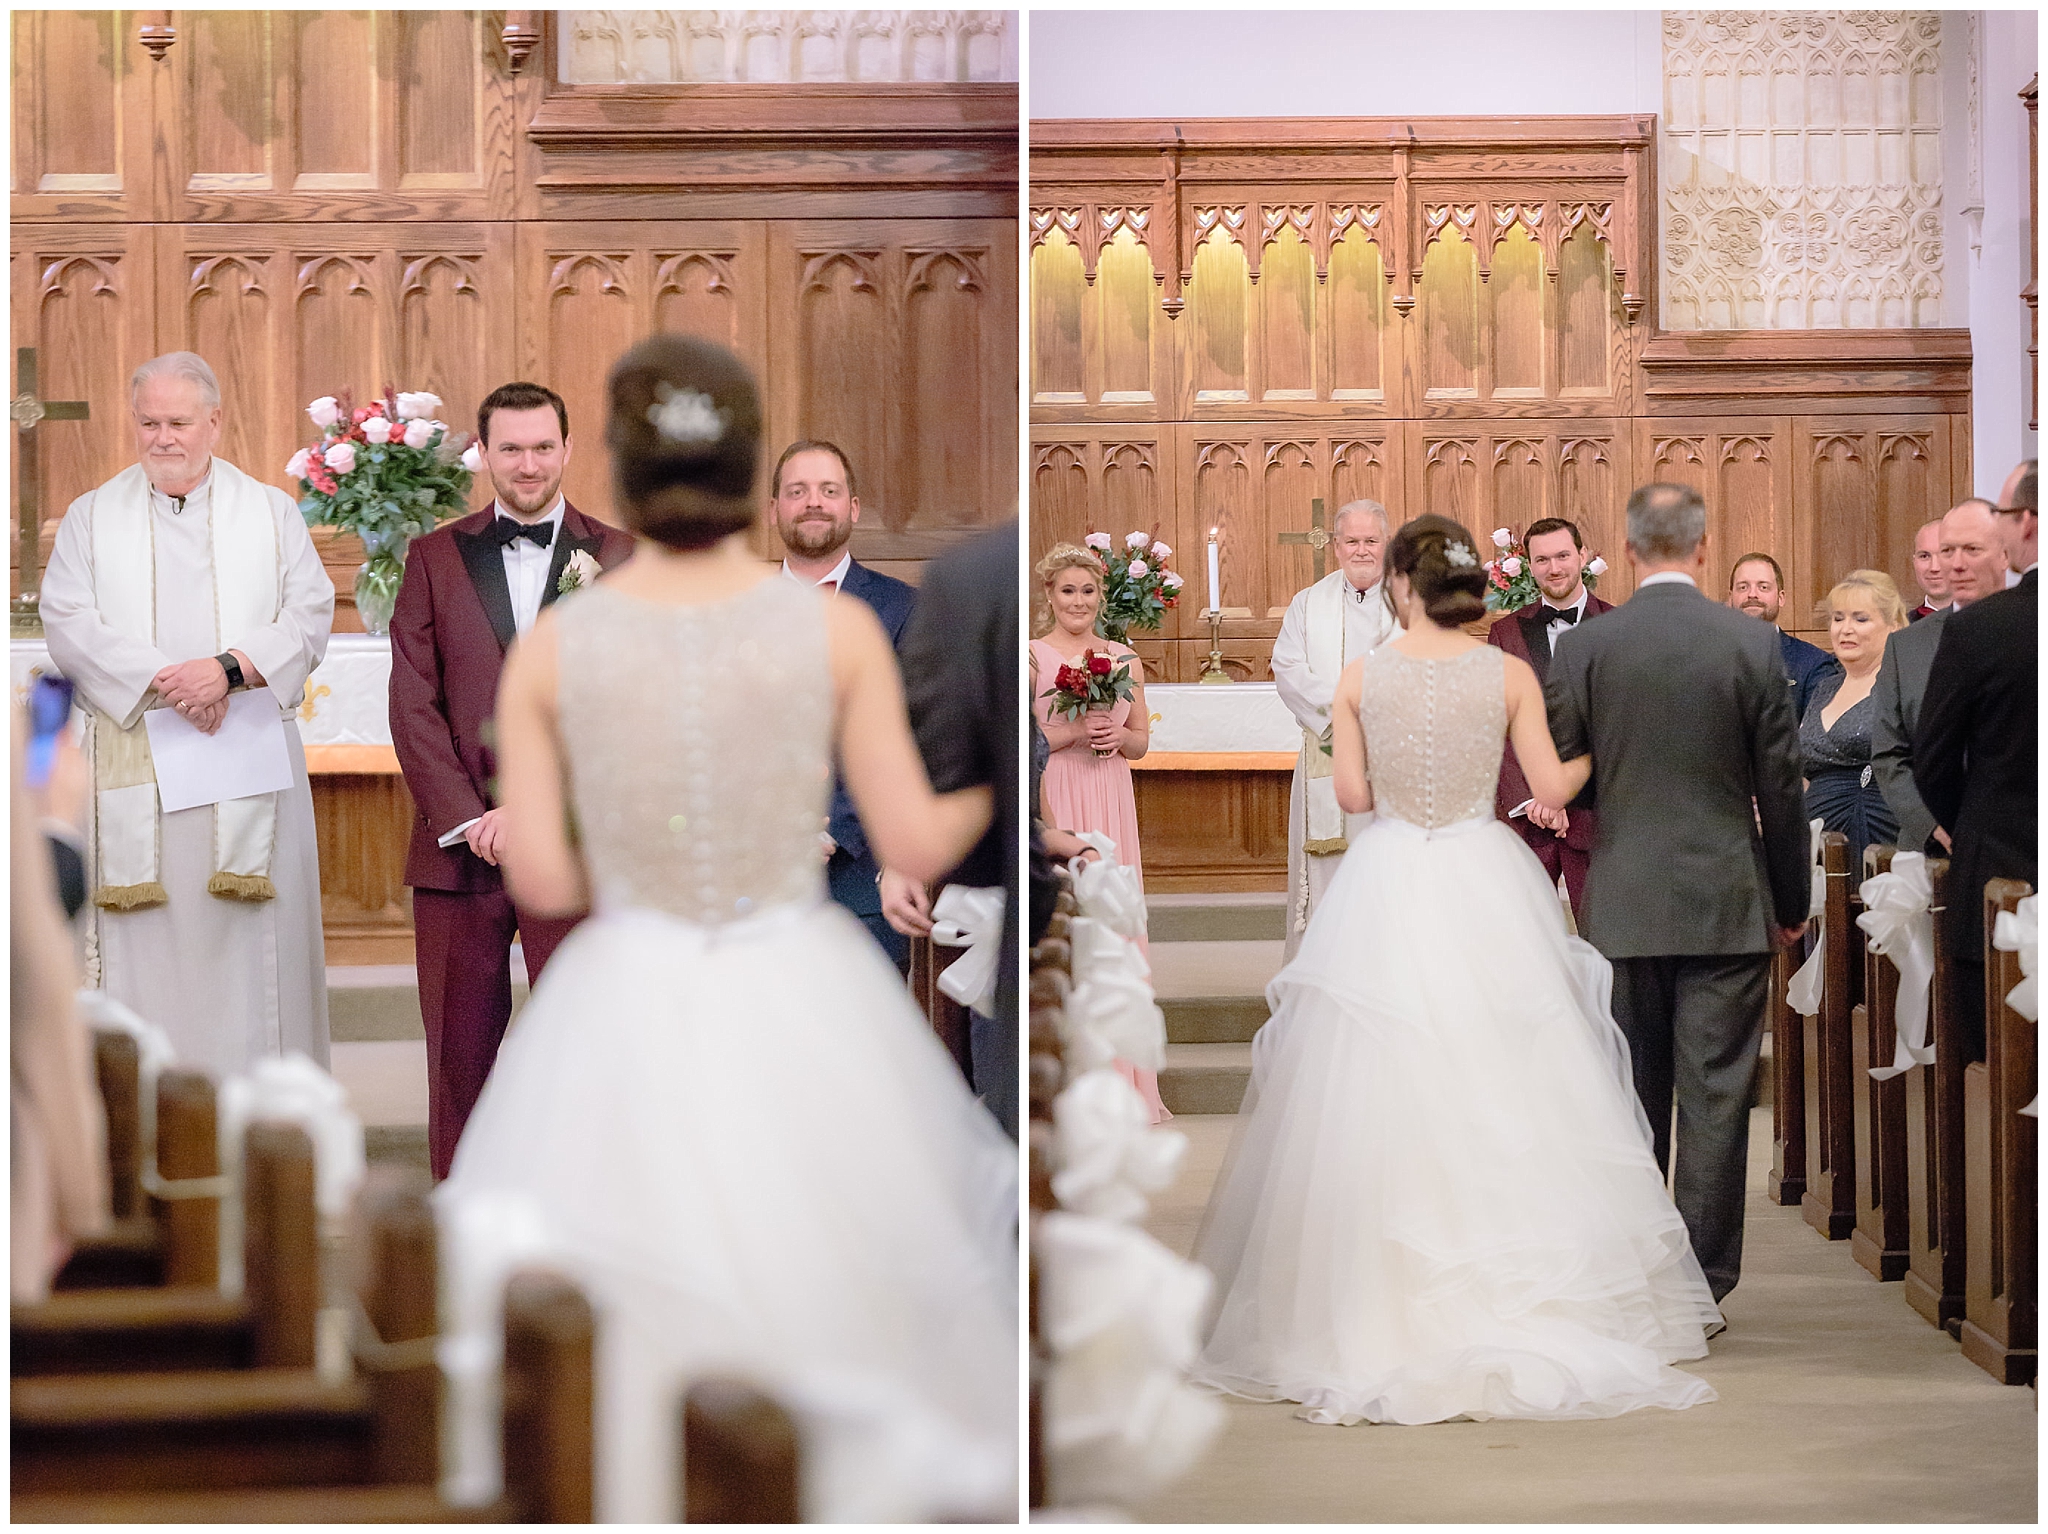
377	591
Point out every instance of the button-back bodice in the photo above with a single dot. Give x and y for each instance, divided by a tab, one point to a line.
699	747
1433	733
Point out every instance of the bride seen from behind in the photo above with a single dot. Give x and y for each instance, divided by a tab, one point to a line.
721	1103
1441	1200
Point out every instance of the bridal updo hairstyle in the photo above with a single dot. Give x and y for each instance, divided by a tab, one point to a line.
1452	591
1061	556
685	438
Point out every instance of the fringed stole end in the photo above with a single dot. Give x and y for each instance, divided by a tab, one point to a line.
241	887
130	897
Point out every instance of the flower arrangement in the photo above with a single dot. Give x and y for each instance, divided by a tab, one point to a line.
1509	582
1137	588
1095	681
387	472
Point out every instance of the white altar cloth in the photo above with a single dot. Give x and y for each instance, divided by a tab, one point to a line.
1240	717
347	700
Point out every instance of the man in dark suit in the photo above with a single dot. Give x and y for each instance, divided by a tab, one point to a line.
960	664
471	587
1972	566
1976	756
1562	841
814	504
1756	585
1683	705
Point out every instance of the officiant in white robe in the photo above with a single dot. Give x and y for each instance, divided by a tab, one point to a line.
1328	625
165	583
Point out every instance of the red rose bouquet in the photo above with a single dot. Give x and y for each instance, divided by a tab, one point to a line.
1095	682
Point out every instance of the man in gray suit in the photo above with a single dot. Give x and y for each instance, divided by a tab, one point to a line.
1974	560
1683	705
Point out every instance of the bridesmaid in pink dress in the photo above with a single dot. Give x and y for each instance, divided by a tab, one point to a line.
1084	789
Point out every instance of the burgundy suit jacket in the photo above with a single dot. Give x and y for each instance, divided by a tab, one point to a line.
449	635
1521	633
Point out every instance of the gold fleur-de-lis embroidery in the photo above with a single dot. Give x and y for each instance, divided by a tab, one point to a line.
311	706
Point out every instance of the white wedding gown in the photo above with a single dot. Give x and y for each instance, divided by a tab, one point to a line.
1441	1200
721	1099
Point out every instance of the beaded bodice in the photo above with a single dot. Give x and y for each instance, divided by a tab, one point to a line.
699	748
1844	745
1433	733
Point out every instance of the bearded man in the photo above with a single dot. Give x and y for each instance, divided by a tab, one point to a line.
177	582
814	503
1328	625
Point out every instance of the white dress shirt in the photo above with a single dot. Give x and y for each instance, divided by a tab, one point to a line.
526	568
1666	575
1557	626
834	580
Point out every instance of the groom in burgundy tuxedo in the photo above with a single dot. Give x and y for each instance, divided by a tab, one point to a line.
1557	560
470	587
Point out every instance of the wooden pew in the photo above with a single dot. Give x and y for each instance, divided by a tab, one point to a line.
154	1241
1051	978
280	1445
1880	1242
1999	1170
948	1019
145	1330
1785	1184
1934	1160
1829	1202
739	1456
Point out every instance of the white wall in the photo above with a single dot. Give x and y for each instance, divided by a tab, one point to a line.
1998	321
1182	63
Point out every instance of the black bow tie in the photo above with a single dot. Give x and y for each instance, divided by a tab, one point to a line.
504	530
1559	614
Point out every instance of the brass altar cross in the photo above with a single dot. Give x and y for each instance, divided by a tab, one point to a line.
1317	537
27	412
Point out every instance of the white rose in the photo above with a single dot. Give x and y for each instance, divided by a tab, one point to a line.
1097	541
412	407
324	411
341	457
418	433
1172	581
1161	551
302	460
1139	567
1502	537
377	429
1598	566
1511	567
1137	540
472	460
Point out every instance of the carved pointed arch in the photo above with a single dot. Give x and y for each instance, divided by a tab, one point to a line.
213	275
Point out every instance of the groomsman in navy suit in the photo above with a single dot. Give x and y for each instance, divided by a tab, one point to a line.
1756	585
814	505
1563	843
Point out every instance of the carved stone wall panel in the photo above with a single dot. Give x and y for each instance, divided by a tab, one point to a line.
785	47
1802	169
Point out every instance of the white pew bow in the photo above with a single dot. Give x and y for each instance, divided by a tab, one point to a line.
1109	1159
873	1453
291	1090
1803	994
483	1237
154	1056
971	917
1121	1316
1108	892
1898	916
1110	1013
2016	931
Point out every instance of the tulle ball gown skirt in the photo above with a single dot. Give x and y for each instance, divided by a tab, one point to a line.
1441	1200
750	1147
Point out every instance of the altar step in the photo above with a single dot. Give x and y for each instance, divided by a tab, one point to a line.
1211	958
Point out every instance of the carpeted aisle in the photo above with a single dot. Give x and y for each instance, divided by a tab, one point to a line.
1838	1404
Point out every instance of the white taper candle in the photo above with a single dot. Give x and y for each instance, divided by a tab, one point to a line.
1215	582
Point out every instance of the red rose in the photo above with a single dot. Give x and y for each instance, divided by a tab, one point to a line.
1098	665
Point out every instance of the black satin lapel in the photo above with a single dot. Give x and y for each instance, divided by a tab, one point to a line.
1538	643
485	562
565	548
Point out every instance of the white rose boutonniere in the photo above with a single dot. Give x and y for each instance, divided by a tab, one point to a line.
579	572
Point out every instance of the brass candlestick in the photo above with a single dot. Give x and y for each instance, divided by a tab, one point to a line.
1214	672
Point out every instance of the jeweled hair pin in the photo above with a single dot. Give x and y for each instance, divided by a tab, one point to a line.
1460	555
684	416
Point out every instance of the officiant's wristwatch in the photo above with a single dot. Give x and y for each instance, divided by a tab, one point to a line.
233	668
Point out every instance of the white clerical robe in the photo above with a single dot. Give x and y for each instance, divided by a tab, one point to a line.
229	980
1307	689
